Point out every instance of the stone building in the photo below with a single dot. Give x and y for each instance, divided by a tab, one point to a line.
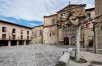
91	11
52	34
67	35
50	30
98	11
98	7
87	32
14	34
37	35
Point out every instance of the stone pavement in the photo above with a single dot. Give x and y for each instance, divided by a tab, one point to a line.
38	55
30	55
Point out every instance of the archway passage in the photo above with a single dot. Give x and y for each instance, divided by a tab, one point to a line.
90	43
66	41
3	43
13	43
21	42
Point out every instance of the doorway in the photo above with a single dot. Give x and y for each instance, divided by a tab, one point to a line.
90	43
66	41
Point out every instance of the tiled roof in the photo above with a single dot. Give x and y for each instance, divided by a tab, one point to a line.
14	24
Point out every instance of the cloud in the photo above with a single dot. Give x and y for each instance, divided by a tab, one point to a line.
35	9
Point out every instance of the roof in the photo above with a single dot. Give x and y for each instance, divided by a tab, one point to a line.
39	26
70	5
15	24
50	15
90	9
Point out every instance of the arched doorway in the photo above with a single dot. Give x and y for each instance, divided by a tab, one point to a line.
66	41
90	43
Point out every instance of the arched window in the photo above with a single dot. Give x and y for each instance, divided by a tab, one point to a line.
53	21
50	34
88	16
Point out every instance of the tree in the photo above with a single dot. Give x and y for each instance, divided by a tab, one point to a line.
78	20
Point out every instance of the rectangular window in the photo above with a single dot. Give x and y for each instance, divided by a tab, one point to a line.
3	29
50	34
27	37
21	31
27	32
3	36
21	37
13	30
40	32
14	37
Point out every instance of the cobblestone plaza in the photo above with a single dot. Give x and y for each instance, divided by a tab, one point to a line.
40	55
31	55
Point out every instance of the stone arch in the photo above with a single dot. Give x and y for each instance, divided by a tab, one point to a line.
66	41
90	44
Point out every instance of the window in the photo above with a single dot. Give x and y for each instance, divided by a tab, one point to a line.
27	32
40	32
3	29
21	31
53	21
13	30
88	15
14	37
50	34
27	37
3	36
21	37
62	15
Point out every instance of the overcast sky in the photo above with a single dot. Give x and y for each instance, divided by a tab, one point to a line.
35	9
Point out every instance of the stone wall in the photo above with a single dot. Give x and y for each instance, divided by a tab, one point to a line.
50	35
37	36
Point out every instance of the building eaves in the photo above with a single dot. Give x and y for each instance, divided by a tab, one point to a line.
90	9
14	24
50	16
38	26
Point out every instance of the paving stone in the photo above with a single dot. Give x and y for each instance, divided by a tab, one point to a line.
38	55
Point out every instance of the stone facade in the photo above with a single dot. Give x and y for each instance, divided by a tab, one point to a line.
13	34
67	35
37	35
98	7
50	31
87	38
98	11
99	35
52	34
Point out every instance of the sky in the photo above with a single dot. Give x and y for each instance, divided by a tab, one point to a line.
34	10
